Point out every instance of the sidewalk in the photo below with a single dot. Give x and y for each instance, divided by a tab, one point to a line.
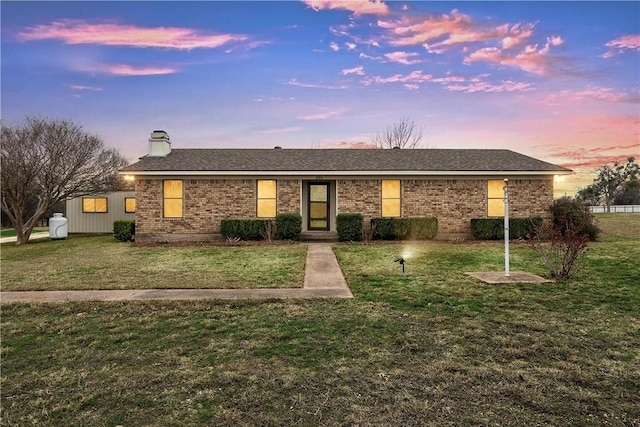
39	235
322	279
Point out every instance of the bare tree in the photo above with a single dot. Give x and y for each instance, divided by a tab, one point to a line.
402	134
45	162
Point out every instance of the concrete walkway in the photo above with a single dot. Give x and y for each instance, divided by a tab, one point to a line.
322	279
38	235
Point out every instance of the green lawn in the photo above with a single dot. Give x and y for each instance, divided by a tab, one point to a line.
437	348
102	262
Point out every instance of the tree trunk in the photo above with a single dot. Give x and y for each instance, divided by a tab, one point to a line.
23	230
22	235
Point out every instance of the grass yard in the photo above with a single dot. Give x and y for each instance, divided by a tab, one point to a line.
85	262
437	348
625	225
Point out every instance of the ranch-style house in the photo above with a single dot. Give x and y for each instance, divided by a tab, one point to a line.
183	194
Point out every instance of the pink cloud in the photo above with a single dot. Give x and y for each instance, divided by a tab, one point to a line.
373	58
127	70
436	33
275	131
295	82
412	78
622	44
82	87
406	58
596	156
480	86
358	7
360	145
110	34
321	116
515	34
406	33
530	59
448	79
359	70
598	93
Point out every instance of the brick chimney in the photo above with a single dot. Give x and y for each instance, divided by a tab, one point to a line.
159	144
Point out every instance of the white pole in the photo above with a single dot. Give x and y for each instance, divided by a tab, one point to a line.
506	227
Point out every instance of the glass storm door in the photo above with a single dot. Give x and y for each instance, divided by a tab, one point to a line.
319	206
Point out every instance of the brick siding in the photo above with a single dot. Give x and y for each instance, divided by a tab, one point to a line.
453	201
205	203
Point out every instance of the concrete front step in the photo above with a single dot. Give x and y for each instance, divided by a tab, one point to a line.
319	237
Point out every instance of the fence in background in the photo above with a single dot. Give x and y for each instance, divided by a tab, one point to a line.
616	209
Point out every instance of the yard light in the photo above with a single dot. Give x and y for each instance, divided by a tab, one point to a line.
506	227
401	262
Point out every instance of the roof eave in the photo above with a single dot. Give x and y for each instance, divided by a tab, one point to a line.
325	173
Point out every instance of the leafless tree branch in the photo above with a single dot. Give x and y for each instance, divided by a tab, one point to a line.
403	134
45	162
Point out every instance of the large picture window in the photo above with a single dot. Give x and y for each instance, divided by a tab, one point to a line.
266	198
390	197
94	204
495	197
172	198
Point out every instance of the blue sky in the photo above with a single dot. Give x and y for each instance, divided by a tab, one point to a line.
555	80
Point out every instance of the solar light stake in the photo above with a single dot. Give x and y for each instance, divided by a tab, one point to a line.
401	262
506	227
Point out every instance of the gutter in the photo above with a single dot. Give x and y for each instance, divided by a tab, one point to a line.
335	174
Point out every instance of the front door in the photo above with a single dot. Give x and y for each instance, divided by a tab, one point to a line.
318	206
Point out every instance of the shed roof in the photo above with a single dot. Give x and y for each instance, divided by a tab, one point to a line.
338	161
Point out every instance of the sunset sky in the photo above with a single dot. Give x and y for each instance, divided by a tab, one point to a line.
558	81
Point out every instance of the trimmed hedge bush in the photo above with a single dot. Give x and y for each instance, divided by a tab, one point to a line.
404	228
493	228
124	230
288	226
349	227
244	229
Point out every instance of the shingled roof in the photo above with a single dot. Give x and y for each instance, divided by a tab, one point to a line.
340	161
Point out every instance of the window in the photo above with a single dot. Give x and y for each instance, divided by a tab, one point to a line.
266	198
94	204
129	205
390	197
495	197
172	198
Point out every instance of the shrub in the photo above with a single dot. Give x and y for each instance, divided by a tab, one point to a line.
349	227
570	214
572	227
244	229
562	253
288	226
487	228
124	230
493	228
404	228
422	228
382	229
524	228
